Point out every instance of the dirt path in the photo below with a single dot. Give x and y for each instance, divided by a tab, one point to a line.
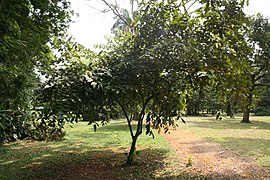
211	160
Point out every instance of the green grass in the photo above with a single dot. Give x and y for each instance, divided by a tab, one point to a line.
84	150
251	140
85	154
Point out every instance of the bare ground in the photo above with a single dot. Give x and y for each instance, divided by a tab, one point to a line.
211	160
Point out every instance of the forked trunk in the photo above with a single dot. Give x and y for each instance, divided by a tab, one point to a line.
138	130
132	152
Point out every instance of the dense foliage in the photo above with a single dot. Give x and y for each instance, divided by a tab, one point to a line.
26	27
150	71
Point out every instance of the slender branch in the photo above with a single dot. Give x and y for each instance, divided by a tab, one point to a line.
132	6
191	4
144	106
116	12
140	121
259	77
102	11
265	85
128	119
139	128
130	128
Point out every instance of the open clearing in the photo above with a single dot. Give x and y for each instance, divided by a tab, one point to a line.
202	148
224	149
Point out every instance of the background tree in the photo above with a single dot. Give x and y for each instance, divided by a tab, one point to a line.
26	28
262	107
124	23
258	63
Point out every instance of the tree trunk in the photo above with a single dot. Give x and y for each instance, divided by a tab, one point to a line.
138	131
189	106
134	140
230	109
246	116
247	109
132	151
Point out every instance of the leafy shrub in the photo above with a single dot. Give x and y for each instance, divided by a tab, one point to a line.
14	125
262	111
45	131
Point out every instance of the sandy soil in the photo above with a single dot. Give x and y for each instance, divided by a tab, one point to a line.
211	160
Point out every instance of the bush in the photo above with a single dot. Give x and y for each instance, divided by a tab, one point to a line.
50	129
14	125
262	111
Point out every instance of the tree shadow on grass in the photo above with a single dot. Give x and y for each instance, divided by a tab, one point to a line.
59	163
93	164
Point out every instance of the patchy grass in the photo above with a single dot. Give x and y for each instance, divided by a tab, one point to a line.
87	154
251	140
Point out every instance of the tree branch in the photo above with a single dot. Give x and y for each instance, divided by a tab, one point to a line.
259	77
116	12
102	11
265	85
128	119
191	4
140	121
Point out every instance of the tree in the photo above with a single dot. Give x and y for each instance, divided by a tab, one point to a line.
262	107
150	71
258	63
26	28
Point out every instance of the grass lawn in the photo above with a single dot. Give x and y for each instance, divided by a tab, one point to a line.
252	140
86	153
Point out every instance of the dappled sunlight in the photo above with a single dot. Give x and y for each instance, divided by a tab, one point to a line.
85	152
8	162
105	164
104	150
41	157
33	164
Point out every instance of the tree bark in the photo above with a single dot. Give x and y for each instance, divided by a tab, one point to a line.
134	141
230	109
132	151
247	110
246	116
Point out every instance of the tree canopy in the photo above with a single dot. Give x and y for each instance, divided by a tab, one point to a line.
26	29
